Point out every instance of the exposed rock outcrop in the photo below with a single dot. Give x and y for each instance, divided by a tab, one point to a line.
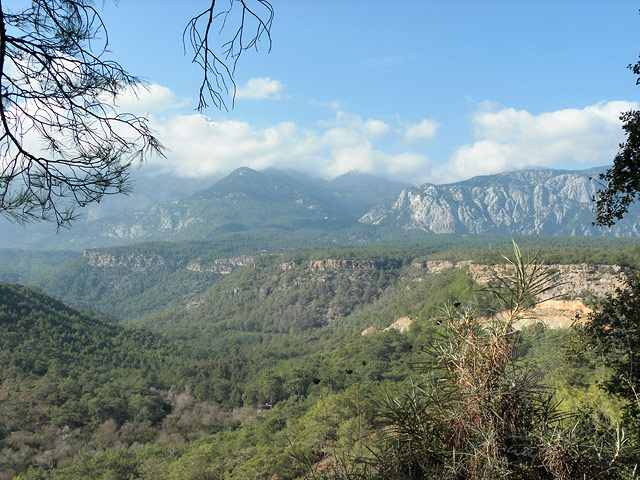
133	261
540	201
565	305
402	324
368	330
597	279
551	313
336	264
556	314
222	266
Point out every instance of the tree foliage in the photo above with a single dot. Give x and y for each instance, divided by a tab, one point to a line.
479	413
622	181
64	142
57	88
218	65
613	331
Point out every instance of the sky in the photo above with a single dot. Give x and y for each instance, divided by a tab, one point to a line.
417	91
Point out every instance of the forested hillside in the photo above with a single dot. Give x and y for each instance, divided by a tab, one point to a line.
321	270
281	360
21	266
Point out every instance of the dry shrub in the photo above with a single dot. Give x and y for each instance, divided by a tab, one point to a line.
477	413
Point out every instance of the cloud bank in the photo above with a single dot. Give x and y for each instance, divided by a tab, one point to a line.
200	147
509	139
425	130
505	139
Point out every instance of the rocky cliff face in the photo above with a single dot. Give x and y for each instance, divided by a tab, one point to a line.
222	266
559	307
143	261
334	264
575	279
541	201
567	307
132	261
599	280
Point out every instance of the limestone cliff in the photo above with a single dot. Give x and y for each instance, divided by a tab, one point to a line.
575	279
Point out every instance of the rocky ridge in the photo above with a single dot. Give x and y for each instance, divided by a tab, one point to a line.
538	201
332	264
599	280
143	261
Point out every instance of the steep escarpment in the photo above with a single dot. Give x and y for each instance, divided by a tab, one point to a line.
133	261
574	279
559	306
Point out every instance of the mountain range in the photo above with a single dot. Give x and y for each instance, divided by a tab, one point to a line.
245	200
276	204
528	202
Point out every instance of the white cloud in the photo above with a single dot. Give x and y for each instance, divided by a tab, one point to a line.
139	100
199	147
425	130
148	99
260	88
375	128
371	127
509	139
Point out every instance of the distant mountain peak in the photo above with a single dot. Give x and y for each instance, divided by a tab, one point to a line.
243	171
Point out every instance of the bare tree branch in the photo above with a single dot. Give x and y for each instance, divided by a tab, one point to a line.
219	63
63	144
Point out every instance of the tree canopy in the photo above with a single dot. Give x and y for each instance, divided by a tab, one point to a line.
622	181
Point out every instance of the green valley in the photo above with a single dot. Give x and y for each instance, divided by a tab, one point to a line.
254	365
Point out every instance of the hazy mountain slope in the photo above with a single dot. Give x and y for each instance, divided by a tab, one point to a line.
20	266
276	206
147	191
357	192
245	200
539	201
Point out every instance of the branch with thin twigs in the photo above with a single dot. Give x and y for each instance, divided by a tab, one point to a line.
219	68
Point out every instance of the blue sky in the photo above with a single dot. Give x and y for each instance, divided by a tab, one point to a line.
421	91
